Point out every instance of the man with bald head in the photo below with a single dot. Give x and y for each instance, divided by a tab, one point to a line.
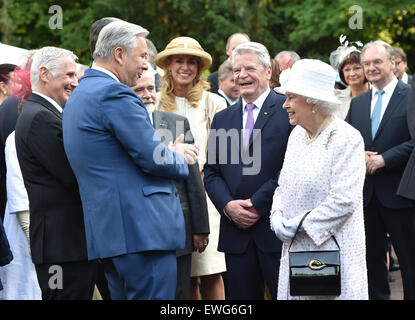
286	59
233	41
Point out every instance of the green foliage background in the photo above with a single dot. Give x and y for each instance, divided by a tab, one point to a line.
310	27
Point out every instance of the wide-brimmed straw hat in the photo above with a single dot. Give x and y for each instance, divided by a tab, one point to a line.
310	78
184	45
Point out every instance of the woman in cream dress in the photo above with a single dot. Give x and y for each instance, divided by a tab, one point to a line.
184	92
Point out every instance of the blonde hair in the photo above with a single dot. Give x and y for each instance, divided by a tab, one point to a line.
167	100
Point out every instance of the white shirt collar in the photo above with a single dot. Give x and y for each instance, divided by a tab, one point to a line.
259	101
226	97
53	102
94	66
389	88
405	77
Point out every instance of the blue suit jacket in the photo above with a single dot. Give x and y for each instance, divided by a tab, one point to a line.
123	170
392	141
225	179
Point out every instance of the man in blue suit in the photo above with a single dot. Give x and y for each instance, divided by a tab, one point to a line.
380	116
132	213
246	150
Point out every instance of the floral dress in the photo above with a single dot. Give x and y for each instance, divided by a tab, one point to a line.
325	176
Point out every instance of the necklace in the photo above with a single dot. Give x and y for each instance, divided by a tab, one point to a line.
308	140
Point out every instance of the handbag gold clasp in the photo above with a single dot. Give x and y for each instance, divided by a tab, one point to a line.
316	265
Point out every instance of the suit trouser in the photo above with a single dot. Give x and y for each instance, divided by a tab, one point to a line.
150	275
67	280
184	266
400	224
247	272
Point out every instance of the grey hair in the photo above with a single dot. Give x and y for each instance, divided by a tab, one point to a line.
152	52
292	54
51	59
225	69
388	48
253	47
117	34
326	108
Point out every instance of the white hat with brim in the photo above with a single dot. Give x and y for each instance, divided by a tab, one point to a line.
310	78
187	46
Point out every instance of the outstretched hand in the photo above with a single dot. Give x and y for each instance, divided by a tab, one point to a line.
189	151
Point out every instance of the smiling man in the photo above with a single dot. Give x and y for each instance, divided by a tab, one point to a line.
227	87
252	251
380	116
57	233
133	218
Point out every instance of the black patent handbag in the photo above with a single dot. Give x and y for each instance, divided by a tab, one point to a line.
314	273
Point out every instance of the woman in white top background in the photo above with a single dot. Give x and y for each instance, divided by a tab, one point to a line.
184	91
351	73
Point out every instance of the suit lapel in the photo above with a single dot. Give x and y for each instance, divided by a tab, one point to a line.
264	115
156	119
40	100
235	122
393	104
367	125
162	122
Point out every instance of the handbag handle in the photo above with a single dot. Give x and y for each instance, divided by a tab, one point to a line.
298	228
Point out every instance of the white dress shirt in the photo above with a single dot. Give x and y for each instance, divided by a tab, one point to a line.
389	89
95	67
53	102
405	78
223	94
258	103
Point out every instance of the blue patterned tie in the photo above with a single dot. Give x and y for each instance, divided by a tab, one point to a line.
376	113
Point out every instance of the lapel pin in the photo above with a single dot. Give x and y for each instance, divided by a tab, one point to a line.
266	113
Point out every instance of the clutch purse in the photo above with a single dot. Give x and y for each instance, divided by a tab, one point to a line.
314	273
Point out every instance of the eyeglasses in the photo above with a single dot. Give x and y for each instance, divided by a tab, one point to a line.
398	62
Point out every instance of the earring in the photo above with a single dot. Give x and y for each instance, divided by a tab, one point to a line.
313	111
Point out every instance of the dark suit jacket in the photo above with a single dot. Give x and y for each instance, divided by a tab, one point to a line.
8	118
214	82
392	141
227	102
57	231
225	179
191	191
407	186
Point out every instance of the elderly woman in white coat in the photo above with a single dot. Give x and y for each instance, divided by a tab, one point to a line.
323	174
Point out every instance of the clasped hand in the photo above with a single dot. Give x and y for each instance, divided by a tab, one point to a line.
189	151
242	213
374	162
200	242
284	228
